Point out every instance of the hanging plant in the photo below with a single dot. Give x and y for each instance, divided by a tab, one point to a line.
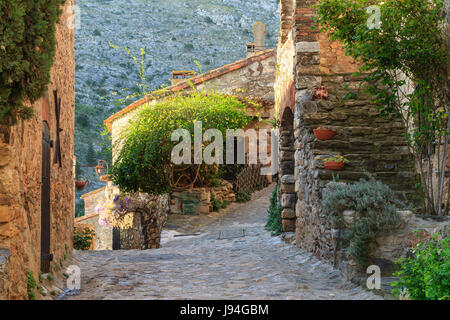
27	49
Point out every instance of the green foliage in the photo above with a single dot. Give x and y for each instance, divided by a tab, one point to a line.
142	88
217	204
426	275
409	44
82	239
188	46
78	171
375	207
144	160
27	48
31	285
91	156
50	276
243	196
274	224
79	209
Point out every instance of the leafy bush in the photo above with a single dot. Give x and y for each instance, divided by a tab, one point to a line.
426	275
188	46
217	204
82	239
31	285
274	224
375	207
26	54
144	161
243	196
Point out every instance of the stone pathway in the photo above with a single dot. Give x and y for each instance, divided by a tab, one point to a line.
233	257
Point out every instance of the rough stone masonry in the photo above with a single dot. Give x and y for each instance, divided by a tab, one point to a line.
21	179
308	61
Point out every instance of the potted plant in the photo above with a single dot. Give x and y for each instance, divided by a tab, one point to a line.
81	183
336	163
324	133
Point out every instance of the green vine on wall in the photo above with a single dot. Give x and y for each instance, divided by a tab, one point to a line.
27	49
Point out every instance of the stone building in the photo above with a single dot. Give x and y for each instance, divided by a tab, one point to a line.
312	79
254	75
37	190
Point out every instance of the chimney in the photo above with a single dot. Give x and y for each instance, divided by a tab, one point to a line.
259	31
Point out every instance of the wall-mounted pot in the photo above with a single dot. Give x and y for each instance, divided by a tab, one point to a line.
335	166
324	134
81	184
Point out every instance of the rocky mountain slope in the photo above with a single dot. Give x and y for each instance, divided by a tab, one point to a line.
174	33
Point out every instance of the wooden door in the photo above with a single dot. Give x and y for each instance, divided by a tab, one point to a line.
46	257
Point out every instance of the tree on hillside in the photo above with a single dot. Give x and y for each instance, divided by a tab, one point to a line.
91	157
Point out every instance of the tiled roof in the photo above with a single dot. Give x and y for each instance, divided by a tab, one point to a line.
262	55
92	193
83	218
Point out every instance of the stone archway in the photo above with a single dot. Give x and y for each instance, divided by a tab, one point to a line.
287	166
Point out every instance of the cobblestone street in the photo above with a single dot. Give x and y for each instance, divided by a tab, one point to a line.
231	256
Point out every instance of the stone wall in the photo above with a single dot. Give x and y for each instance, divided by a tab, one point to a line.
103	236
390	246
103	239
130	238
197	201
284	105
138	237
20	176
92	199
371	143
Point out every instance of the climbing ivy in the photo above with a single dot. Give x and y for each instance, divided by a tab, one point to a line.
27	48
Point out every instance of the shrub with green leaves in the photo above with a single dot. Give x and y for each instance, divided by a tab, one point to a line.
31	285
143	162
27	48
243	196
376	209
274	224
426	275
217	204
82	239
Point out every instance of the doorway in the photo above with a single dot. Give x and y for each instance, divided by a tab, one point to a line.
46	257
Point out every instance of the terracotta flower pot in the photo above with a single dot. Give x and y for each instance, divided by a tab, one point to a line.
80	184
337	166
324	134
